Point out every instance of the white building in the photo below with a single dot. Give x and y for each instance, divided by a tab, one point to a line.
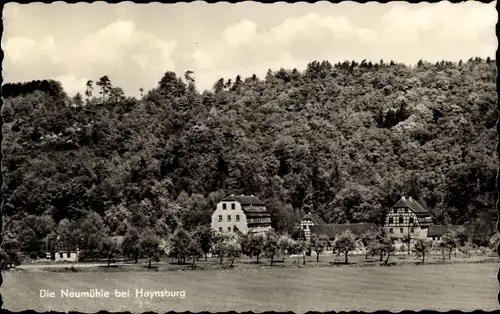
243	214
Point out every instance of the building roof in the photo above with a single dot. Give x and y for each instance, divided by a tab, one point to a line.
413	205
244	200
315	218
332	230
440	230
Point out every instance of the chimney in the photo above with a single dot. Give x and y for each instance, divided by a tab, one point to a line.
308	213
404	198
411	199
252	195
242	194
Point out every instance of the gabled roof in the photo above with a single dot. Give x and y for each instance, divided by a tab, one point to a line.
440	230
244	200
413	205
333	230
315	218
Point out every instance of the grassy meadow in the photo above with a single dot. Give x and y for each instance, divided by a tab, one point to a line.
441	287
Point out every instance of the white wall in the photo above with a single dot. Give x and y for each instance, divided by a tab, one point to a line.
224	224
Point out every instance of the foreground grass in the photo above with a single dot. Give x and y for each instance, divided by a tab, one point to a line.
441	287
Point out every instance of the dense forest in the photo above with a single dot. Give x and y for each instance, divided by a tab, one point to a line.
344	141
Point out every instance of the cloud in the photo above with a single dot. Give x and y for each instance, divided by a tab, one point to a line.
404	34
120	42
24	49
240	33
72	84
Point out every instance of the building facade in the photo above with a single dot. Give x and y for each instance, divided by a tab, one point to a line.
243	214
408	221
436	232
306	224
63	256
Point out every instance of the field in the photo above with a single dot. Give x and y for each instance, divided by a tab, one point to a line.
440	287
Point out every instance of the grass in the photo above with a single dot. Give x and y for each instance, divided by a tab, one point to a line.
248	287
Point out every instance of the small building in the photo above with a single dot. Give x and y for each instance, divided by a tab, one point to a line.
436	232
307	222
63	255
241	214
408	219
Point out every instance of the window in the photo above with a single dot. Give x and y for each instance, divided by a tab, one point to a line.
61	255
237	217
68	255
391	230
228	228
438	238
220	229
406	210
400	230
220	217
395	210
228	217
400	220
305	227
224	206
412	230
411	220
391	220
233	206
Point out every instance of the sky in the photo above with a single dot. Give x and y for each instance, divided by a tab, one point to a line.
135	44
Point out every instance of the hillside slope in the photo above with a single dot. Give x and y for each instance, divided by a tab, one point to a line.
345	141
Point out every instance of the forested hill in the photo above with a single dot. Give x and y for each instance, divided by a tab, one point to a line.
345	141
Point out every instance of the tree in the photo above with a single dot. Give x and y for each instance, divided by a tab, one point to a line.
387	246
105	84
179	243
449	240
9	254
285	245
150	246
441	246
91	233
345	243
28	242
301	247
204	235
466	249
253	245
233	251
109	248
422	247
318	244
194	251
131	243
90	87
271	245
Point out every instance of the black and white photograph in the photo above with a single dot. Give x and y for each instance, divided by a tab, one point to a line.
249	157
